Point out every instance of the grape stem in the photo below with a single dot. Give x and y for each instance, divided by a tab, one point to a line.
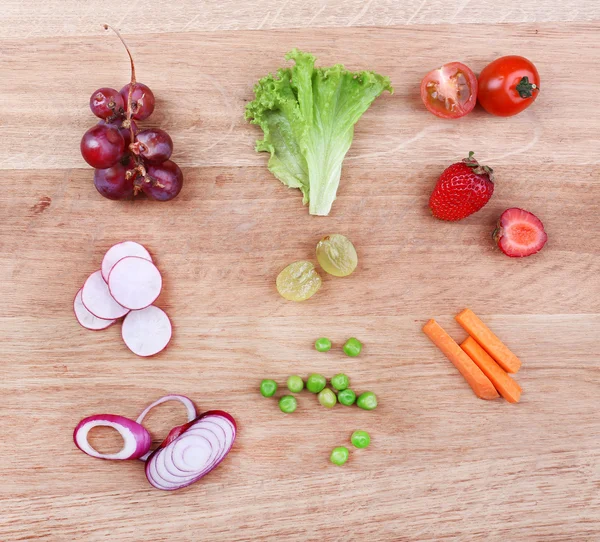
133	146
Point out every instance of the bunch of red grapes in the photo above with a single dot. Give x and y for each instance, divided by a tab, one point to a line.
128	161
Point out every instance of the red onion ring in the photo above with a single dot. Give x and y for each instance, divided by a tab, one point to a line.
203	439
136	438
187	403
191	451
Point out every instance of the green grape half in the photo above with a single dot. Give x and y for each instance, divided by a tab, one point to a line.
337	255
298	281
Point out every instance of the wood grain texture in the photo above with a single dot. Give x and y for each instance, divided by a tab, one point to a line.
442	464
32	18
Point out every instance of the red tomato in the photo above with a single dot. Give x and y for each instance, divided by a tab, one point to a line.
508	85
450	92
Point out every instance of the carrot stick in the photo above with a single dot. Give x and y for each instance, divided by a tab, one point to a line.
507	387
491	344
480	383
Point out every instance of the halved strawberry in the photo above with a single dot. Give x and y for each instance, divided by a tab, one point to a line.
519	233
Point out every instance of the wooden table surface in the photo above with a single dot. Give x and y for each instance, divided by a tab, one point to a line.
443	464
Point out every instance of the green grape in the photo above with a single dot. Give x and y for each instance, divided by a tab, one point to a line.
298	281
337	255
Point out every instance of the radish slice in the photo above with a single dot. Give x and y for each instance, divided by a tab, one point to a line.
136	438
196	451
118	252
134	282
187	403
96	298
86	318
146	332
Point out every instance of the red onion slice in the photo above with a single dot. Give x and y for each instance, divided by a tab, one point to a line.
209	434
208	446
136	438
200	446
174	460
179	463
193	453
185	401
197	449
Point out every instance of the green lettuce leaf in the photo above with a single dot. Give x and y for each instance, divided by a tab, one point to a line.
307	115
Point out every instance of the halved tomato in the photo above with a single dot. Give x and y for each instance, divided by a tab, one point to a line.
450	92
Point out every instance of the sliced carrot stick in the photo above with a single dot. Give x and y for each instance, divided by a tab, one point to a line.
507	387
480	383
491	344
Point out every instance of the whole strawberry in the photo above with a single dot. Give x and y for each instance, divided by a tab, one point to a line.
462	189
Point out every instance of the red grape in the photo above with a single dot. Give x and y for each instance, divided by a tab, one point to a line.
166	180
128	161
142	100
113	183
102	146
155	145
121	124
106	103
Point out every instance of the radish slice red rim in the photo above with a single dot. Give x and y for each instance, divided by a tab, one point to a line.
96	298
136	439
187	403
196	450
118	252
86	318
146	332
134	282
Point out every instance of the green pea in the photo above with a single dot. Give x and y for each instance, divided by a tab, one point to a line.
347	397
268	388
327	398
367	400
339	455
352	347
295	384
288	404
316	383
323	344
340	382
360	439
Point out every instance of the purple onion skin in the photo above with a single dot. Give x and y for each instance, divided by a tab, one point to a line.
143	445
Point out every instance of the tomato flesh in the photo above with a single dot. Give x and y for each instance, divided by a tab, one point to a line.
450	92
501	81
